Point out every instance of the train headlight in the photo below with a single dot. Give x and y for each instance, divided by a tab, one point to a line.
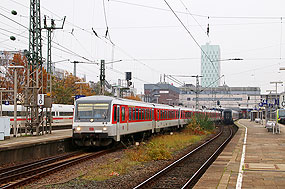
104	128
78	128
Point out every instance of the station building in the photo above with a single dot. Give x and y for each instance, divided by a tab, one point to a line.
245	98
162	93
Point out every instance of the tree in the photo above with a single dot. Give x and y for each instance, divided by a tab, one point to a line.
65	89
7	76
132	97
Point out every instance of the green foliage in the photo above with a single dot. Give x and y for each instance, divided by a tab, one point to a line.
201	122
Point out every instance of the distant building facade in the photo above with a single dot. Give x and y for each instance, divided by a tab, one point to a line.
162	93
210	70
223	96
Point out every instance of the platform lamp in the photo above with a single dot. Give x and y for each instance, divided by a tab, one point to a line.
15	96
276	106
1	92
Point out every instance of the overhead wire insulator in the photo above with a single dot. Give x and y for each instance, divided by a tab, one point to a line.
13	38
14	12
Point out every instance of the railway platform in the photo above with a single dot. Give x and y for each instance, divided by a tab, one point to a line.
27	148
257	162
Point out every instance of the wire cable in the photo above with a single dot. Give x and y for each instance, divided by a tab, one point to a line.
193	17
192	36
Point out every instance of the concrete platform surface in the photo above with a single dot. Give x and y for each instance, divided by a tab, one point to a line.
264	163
22	141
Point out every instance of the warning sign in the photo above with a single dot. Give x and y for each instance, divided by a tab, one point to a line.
41	99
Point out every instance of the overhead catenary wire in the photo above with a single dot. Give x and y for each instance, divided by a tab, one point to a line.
201	15
193	17
206	55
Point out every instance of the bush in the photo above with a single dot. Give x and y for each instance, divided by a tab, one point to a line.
200	124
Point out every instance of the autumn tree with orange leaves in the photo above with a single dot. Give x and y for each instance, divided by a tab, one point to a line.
7	76
65	89
136	97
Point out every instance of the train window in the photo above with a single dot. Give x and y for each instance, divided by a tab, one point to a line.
115	113
53	113
4	113
123	114
145	113
130	114
134	114
137	113
150	117
157	114
10	113
118	114
65	113
161	114
140	114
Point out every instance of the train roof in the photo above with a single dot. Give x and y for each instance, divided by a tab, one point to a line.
115	100
124	101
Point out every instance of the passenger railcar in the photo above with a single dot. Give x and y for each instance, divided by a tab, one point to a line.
100	120
281	115
229	116
61	113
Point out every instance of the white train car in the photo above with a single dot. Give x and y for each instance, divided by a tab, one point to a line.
100	120
61	113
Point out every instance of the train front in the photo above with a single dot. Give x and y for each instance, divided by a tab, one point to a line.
281	116
92	121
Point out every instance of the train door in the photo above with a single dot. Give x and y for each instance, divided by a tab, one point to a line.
179	118
118	124
153	120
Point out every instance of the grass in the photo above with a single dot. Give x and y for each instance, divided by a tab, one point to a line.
160	147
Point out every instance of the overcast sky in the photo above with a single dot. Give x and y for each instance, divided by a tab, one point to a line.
150	40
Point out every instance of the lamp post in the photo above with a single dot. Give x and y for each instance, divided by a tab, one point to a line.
15	96
81	82
276	100
1	90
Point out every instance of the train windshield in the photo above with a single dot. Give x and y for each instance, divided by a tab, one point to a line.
95	111
281	113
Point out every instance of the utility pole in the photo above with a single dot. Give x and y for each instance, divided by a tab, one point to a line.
34	82
15	97
102	77
197	90
276	105
50	70
50	66
74	67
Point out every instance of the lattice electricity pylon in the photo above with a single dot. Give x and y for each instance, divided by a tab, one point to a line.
50	71
34	81
49	64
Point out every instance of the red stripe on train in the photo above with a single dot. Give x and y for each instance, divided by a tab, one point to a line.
57	118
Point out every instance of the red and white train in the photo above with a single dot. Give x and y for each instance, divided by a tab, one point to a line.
100	120
61	113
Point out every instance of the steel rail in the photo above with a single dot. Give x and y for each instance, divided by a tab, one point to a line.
22	167
41	172
207	163
175	163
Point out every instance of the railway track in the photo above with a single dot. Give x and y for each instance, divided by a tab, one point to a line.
185	172
20	175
